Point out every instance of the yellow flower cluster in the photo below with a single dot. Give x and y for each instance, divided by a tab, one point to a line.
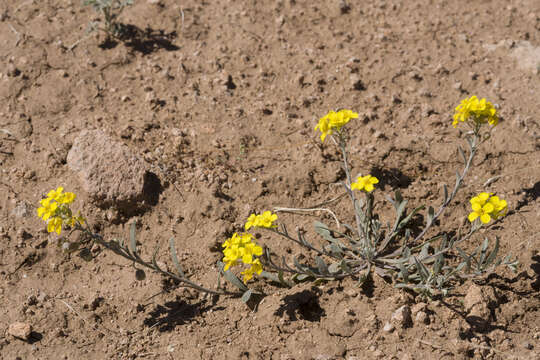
264	220
55	210
334	121
365	183
487	206
475	111
242	248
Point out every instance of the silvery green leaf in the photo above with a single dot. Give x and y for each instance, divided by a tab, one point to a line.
344	266
404	273
462	153
334	268
321	265
445	190
246	296
154	262
174	258
422	270
425	251
493	253
485	245
298	266
322	230
431	214
233	279
133	240
300	277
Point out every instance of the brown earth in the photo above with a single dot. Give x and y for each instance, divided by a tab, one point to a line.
219	105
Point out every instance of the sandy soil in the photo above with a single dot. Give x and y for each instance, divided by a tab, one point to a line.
220	105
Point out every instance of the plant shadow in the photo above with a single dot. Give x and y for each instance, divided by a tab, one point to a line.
531	195
144	41
167	316
394	178
301	306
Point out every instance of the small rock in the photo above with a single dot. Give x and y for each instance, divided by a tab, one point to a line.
422	318
418	307
477	303
20	330
111	174
528	345
402	317
389	327
22	210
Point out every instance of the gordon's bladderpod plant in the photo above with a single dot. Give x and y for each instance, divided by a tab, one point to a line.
110	10
414	261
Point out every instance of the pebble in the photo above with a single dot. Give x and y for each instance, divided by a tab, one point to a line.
389	327
402	316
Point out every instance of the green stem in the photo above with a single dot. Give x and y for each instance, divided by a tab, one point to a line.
459	182
122	252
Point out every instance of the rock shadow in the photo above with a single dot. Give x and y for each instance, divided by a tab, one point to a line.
152	188
301	306
144	41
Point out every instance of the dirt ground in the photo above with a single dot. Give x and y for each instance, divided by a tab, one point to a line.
219	99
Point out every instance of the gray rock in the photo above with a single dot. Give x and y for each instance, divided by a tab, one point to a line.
111	174
21	210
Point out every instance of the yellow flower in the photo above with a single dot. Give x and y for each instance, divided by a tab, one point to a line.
499	205
265	220
55	224
365	183
55	194
66	198
487	206
240	248
256	267
334	121
476	111
251	221
47	208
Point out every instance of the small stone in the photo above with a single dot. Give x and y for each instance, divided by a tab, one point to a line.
389	327
477	304
421	318
418	307
402	317
528	345
20	330
22	210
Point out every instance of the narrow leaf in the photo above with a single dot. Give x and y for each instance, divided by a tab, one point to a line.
246	296
174	258
133	240
233	279
321	265
445	189
154	262
494	253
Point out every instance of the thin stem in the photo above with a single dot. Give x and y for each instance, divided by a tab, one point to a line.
342	146
122	252
459	182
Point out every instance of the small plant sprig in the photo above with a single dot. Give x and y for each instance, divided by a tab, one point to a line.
56	212
110	10
391	251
